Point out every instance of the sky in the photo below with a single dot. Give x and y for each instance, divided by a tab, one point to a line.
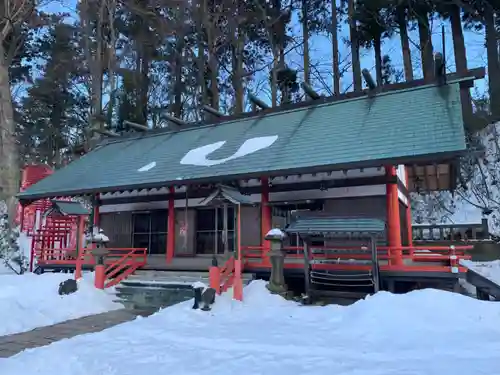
321	52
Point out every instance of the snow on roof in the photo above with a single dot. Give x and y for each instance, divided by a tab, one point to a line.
276	232
490	270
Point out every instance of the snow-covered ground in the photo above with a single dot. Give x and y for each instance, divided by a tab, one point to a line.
424	332
29	301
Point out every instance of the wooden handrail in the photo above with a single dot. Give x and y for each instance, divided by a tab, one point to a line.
125	266
118	265
227	275
416	253
222	278
120	262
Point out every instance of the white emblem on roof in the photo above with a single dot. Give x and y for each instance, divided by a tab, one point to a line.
199	155
147	167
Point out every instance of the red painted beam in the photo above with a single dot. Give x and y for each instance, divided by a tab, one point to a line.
171	225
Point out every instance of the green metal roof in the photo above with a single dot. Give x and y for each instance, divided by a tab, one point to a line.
332	226
68	208
227	193
400	126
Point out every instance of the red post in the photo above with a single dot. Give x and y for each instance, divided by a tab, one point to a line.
32	252
100	276
393	218
454	262
238	283
266	217
171	225
409	225
21	219
214	278
79	250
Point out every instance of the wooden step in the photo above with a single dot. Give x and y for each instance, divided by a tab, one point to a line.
176	276
153	290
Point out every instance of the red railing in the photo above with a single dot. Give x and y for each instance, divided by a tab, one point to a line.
119	262
222	278
256	257
227	272
124	266
227	276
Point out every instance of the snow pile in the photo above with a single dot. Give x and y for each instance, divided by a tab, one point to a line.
277	233
424	332
22	251
29	301
490	270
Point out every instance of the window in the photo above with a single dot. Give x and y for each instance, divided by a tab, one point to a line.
210	230
150	230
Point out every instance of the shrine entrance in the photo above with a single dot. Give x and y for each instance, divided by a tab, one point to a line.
149	230
215	228
216	222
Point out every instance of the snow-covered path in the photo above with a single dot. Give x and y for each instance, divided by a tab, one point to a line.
425	332
30	301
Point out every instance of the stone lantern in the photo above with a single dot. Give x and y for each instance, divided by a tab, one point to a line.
100	241
277	257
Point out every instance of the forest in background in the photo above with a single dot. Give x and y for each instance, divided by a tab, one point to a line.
97	64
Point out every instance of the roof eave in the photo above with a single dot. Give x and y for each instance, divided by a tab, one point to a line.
25	197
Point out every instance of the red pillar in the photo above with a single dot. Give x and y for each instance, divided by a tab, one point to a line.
393	218
214	278
238	282
409	226
266	217
79	251
171	225
100	276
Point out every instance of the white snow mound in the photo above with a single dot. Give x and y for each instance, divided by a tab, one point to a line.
424	332
30	301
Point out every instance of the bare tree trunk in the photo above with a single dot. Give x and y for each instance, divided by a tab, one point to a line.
9	161
356	64
405	43
458	40
305	35
238	72
144	87
274	77
178	86
426	49
111	59
237	40
12	15
94	62
200	59
377	46
214	83
335	50
97	71
460	57
493	64
213	63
